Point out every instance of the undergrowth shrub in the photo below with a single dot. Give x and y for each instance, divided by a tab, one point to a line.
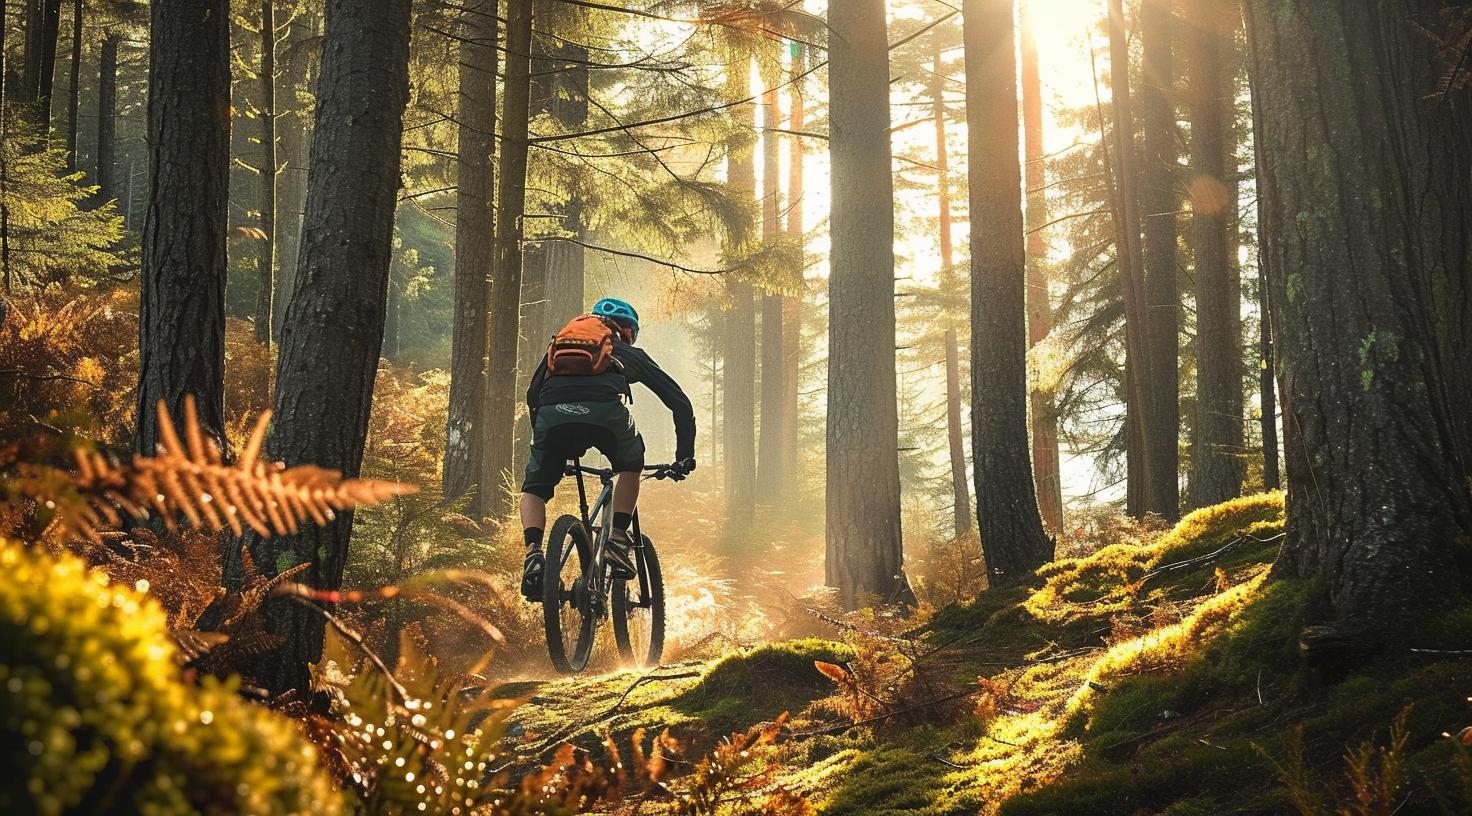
97	718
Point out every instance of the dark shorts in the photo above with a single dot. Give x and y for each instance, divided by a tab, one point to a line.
567	430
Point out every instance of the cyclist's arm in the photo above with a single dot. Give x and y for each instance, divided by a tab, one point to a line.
641	368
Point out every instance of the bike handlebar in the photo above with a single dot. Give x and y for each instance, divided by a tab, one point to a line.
668	471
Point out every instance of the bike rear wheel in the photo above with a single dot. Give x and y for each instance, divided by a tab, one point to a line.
568	607
639	630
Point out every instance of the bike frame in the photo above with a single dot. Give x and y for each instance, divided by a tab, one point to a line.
603	509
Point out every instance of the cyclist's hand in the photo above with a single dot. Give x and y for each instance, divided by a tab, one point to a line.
685	467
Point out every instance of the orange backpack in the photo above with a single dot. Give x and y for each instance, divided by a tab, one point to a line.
583	347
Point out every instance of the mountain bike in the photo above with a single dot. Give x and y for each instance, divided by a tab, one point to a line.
578	590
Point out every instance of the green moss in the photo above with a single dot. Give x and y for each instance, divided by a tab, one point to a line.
98	718
754	685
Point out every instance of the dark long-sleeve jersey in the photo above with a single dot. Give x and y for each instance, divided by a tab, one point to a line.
632	365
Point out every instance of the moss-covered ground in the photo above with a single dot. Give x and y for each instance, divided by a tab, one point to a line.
1150	677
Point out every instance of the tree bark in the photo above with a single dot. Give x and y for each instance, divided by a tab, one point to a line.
74	88
792	303
1366	200
1217	465
534	338
1012	536
955	434
475	217
863	484
1158	203
107	122
294	123
43	27
505	305
333	332
182	299
1046	466
773	460
266	246
1126	211
739	405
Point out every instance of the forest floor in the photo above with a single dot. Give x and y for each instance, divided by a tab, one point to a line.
1155	677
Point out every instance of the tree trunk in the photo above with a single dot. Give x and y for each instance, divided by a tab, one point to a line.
182	300
74	87
739	406
567	270
773	460
332	336
267	165
863	501
1267	372
1012	536
294	124
1216	462
792	303
43	27
391	316
505	304
1365	202
475	217
1126	212
566	261
1158	203
107	122
534	338
955	434
1046	467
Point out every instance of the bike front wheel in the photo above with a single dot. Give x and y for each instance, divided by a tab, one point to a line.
638	621
568	608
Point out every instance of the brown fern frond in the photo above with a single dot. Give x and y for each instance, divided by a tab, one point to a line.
188	479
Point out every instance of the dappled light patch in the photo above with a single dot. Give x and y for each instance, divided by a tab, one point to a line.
1124	575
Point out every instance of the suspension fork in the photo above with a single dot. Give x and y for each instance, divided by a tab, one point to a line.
641	559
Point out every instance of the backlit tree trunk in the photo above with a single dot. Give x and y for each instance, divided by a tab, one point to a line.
267	166
294	123
107	122
1046	468
332	335
43	27
863	495
1217	466
955	434
505	304
771	458
792	303
182	297
1158	203
74	87
1126	210
475	217
739	377
1365	201
1012	534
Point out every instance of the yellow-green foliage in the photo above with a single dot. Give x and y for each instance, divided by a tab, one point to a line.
1108	580
97	719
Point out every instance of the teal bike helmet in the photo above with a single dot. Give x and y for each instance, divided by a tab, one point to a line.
619	311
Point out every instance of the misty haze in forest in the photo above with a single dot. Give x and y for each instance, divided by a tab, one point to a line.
736	406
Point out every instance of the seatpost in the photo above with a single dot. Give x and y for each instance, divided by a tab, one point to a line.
577	465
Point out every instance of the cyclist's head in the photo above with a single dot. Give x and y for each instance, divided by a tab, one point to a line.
621	313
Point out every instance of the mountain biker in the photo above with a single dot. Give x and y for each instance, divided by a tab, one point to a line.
580	404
